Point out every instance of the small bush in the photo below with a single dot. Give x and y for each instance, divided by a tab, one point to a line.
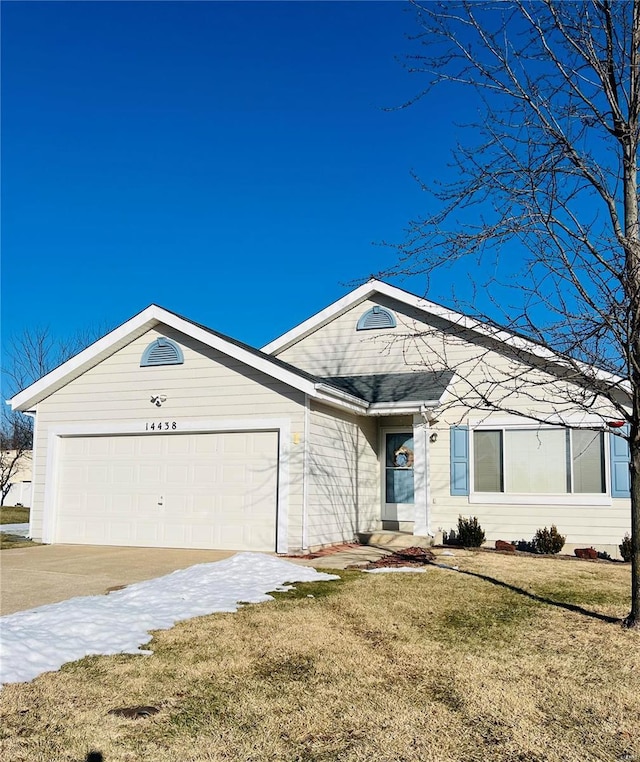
525	546
470	533
548	540
625	548
450	538
604	556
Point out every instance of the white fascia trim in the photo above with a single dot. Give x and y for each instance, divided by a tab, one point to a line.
505	337
194	425
32	394
339	398
400	408
149	318
315	321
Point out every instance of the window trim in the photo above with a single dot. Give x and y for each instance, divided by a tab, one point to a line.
544	498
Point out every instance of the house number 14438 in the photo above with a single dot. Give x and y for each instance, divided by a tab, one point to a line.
161	426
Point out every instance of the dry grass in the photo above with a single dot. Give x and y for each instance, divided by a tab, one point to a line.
8	541
433	666
10	514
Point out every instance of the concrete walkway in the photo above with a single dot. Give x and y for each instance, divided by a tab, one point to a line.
342	559
31	577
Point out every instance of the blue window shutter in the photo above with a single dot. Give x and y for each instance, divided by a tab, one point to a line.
620	475
459	460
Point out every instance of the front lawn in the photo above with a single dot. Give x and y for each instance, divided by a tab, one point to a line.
10	514
510	658
8	541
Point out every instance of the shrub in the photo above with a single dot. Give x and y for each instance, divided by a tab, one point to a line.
470	533
525	546
625	548
548	540
450	538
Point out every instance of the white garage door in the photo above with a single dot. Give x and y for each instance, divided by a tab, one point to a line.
169	490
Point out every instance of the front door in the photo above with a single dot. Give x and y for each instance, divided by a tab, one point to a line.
398	504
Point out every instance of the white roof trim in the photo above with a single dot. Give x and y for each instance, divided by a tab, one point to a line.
330	394
398	408
149	318
378	287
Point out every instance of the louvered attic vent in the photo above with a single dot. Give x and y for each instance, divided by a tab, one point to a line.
162	352
376	317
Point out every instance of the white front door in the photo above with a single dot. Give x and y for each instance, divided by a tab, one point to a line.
398	480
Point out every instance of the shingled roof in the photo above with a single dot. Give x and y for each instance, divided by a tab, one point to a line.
420	386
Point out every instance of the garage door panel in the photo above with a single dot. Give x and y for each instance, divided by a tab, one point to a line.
123	474
98	446
150	445
216	490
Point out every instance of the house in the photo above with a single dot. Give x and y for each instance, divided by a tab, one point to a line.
19	463
377	412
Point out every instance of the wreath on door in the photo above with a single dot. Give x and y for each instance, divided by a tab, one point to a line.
403	457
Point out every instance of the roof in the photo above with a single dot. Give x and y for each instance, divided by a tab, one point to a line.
505	336
153	316
428	386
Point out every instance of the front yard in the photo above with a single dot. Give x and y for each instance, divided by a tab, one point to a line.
513	660
10	514
13	515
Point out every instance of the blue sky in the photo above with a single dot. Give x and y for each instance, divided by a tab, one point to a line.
233	162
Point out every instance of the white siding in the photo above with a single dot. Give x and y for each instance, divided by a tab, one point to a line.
344	496
583	525
420	342
209	385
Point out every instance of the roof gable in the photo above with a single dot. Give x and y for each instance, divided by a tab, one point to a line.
497	334
154	316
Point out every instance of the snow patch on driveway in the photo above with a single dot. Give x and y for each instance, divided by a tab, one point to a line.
43	639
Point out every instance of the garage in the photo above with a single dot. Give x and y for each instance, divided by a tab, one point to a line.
183	490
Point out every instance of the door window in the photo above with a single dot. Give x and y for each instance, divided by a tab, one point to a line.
399	468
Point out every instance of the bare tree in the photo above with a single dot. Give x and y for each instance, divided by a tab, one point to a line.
15	446
36	351
29	356
545	196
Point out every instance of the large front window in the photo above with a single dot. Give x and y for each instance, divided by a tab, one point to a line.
538	461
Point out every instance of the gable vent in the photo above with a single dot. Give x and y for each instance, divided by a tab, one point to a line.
162	352
376	317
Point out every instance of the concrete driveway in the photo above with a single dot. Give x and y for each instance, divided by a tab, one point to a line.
31	577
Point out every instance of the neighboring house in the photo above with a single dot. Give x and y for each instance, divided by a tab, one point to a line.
20	481
166	433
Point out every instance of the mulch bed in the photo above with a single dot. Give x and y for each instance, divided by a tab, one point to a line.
413	556
328	551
